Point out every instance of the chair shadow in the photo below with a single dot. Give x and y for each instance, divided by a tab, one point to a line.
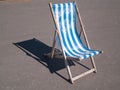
36	49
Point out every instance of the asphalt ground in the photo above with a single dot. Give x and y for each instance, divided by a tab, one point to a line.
26	33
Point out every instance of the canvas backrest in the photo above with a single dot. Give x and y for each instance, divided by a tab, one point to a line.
65	15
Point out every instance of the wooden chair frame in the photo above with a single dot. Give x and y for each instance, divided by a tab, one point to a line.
72	79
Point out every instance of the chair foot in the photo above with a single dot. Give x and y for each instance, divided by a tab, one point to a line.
71	81
95	71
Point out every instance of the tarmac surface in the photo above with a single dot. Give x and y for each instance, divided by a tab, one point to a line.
26	33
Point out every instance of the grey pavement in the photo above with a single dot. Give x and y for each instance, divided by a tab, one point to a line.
26	32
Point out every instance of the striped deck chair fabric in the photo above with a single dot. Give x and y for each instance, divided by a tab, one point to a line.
64	15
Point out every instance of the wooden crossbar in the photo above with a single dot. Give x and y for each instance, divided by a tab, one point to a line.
83	74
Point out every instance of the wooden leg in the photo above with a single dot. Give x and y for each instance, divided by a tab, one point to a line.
93	64
68	70
53	50
53	46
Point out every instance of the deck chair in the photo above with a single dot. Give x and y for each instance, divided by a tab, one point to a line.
64	17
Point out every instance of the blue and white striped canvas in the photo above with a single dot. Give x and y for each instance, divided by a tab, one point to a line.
65	15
